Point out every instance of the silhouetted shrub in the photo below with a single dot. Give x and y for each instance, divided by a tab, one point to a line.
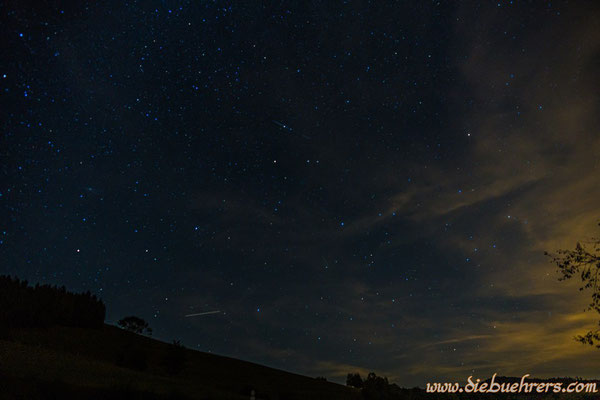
173	360
25	306
354	380
376	388
135	324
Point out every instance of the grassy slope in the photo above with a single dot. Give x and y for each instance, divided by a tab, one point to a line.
82	363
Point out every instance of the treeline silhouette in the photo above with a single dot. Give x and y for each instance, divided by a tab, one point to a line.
24	306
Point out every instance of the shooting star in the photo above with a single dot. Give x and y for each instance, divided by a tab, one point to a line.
202	313
288	128
283	126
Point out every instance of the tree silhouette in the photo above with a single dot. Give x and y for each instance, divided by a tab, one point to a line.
583	261
135	324
42	306
376	387
354	380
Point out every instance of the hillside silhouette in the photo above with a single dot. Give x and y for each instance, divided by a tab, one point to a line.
54	344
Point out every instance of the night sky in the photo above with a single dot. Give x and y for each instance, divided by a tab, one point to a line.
356	186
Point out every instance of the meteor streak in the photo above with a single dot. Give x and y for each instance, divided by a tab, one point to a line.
283	126
202	313
288	128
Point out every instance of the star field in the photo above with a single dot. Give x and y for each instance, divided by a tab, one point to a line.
357	186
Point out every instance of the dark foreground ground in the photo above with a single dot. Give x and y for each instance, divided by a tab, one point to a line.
75	363
110	363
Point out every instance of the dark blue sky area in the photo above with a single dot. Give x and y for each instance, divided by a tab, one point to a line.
356	186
